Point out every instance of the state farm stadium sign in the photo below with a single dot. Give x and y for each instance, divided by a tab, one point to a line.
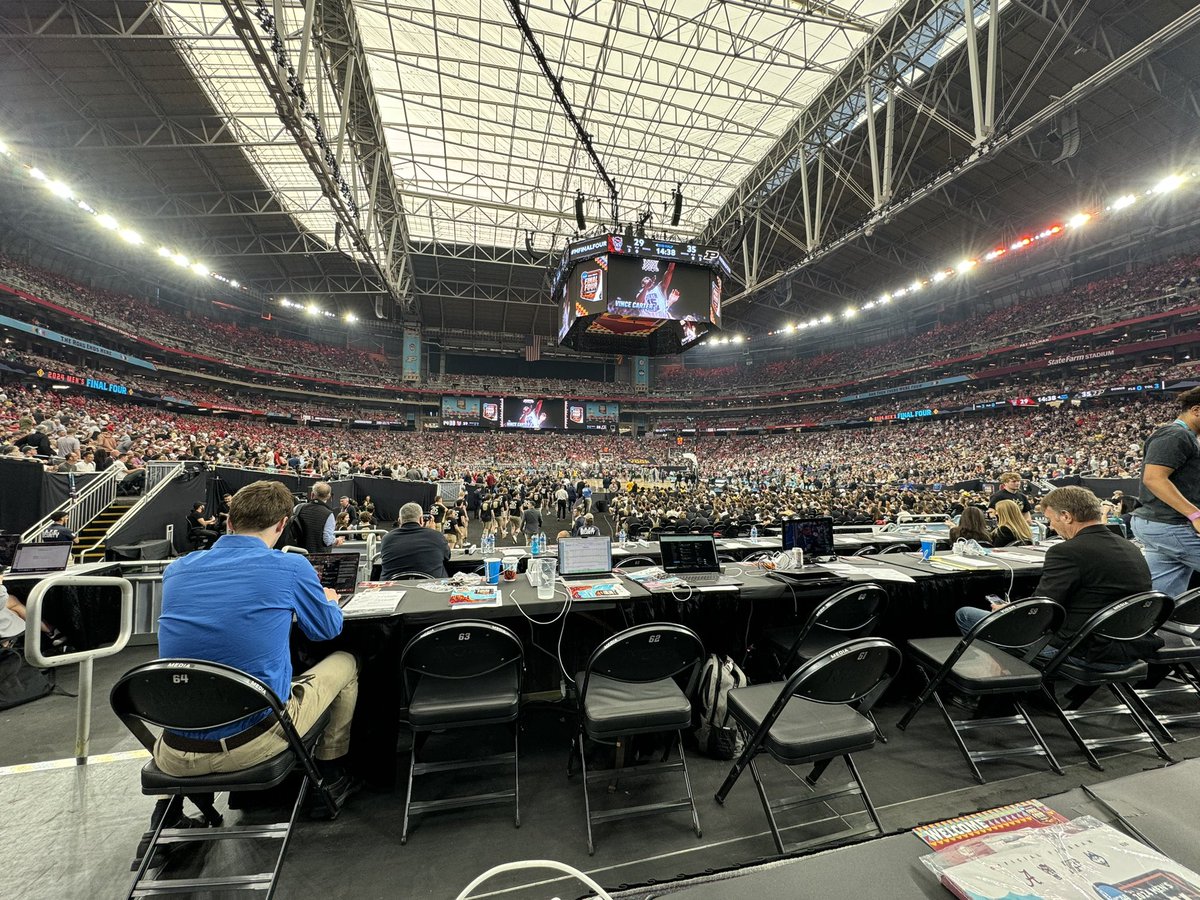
1079	357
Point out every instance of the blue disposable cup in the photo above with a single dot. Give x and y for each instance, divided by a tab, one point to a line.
493	570
927	547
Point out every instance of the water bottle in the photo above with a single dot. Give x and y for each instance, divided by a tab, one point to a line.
621	536
754	532
535	544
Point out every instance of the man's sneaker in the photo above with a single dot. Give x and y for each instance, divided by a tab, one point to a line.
340	789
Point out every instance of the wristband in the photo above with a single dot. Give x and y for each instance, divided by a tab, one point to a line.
1193	516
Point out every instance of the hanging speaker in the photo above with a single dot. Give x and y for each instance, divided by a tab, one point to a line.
677	208
579	219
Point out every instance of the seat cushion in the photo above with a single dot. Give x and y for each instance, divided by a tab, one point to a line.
804	730
983	668
1080	672
1177	648
817	642
449	702
613	708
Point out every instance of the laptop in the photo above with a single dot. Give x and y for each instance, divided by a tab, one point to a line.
813	536
693	559
583	560
338	571
39	559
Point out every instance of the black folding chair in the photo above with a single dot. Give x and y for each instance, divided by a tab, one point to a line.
1178	659
852	612
462	674
193	695
978	665
629	687
809	719
1126	620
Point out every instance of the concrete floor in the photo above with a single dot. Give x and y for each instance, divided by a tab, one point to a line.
71	831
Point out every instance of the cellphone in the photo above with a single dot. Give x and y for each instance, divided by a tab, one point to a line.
997	600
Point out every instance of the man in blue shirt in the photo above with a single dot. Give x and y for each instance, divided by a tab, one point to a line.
233	604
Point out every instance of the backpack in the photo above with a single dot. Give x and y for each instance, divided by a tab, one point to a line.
293	532
19	681
717	739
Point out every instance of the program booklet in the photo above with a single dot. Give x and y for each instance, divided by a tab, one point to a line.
1026	814
477	596
597	591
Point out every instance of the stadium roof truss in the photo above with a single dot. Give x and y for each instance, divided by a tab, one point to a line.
422	155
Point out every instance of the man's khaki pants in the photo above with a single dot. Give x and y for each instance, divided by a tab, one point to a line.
331	684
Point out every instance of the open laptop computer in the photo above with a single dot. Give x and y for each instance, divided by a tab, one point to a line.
39	559
584	560
813	536
338	571
693	559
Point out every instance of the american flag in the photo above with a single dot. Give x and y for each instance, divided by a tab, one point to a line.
533	349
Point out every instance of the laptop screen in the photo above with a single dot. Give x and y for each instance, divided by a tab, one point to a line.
40	558
689	553
813	536
584	556
338	571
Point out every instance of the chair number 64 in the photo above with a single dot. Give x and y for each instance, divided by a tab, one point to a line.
179	679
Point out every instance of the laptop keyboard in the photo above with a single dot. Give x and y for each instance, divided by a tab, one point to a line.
701	578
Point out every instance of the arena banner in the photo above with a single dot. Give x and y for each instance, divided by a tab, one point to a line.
39	331
918	386
641	373
410	364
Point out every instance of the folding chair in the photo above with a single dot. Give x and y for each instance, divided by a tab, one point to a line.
978	665
852	612
1128	619
629	687
1177	659
193	695
462	674
809	719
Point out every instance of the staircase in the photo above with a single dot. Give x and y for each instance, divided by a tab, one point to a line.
92	535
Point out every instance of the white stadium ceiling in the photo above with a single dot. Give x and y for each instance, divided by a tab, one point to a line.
689	92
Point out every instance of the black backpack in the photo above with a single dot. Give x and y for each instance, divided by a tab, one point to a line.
19	681
293	532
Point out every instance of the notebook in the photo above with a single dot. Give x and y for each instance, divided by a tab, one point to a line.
40	559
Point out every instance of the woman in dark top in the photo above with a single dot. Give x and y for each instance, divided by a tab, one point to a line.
1013	529
972	526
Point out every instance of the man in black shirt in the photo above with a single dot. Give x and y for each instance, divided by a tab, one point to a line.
58	533
200	527
1010	489
413	548
1168	521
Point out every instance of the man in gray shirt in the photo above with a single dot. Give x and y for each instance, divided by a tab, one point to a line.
1168	521
531	521
67	443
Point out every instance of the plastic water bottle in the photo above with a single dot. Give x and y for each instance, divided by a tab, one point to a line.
754	532
489	544
535	544
621	536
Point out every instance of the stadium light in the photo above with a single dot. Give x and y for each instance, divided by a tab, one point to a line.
885	298
37	174
1123	201
107	221
813	323
165	252
313	309
827	318
849	313
916	286
351	317
966	265
1078	220
180	260
200	268
3	149
739	339
58	189
83	204
791	327
131	236
1168	184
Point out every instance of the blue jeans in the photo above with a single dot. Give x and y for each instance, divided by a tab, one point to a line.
967	617
1172	552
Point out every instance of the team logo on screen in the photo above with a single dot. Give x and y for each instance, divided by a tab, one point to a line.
491	412
589	285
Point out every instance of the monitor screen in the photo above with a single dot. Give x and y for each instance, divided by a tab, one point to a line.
689	553
338	571
660	289
532	414
41	558
584	556
591	416
585	293
813	536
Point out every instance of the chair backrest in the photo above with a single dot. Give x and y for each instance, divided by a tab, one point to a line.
1187	608
896	548
852	612
1019	624
459	649
1127	619
845	673
732	531
189	695
869	550
645	653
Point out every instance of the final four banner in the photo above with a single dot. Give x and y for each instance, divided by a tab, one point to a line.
410	367
641	373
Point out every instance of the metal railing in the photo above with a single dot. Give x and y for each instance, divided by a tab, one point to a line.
85	658
83	508
159	473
